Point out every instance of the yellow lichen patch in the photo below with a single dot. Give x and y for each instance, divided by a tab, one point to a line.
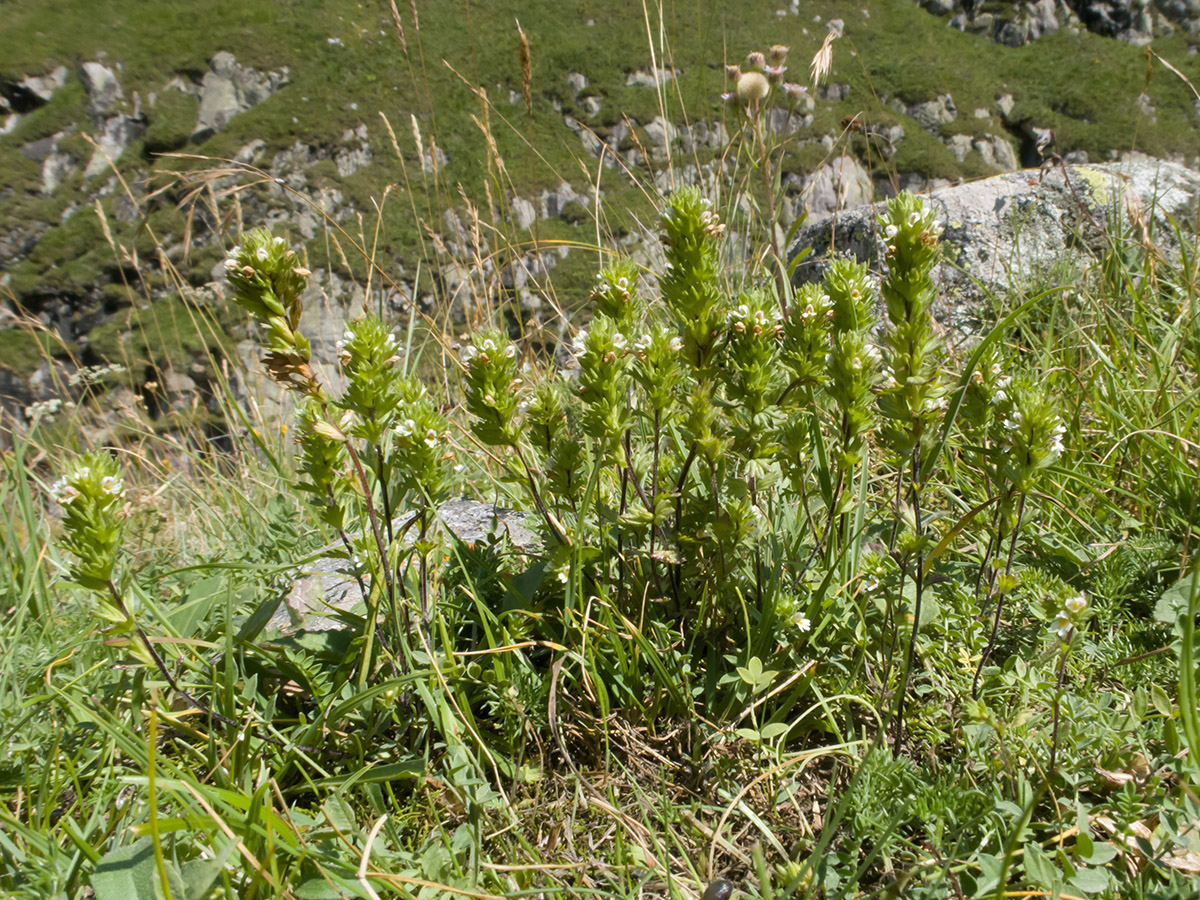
1098	182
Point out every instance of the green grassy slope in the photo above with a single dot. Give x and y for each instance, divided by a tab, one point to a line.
346	66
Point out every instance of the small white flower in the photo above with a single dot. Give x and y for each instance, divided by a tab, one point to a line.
487	345
510	351
1075	605
431	438
801	621
563	577
112	486
579	342
1062	623
676	343
63	491
236	251
643	343
760	317
277	241
469	353
230	265
890	232
742	311
913	218
623	283
406	428
870	583
261	254
619	341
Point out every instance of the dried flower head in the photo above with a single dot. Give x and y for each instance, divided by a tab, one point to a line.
752	88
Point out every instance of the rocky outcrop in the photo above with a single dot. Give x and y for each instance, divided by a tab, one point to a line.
838	185
1136	21
327	586
228	89
1021	230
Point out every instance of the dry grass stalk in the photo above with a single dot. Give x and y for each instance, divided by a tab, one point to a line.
822	61
526	69
399	26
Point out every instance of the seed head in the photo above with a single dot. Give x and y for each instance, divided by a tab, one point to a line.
752	88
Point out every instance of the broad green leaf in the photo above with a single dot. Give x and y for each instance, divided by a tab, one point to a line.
1161	701
773	730
1090	881
1174	601
130	873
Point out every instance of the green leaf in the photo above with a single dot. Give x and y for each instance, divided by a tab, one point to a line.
1174	601
748	734
201	874
130	873
1161	701
1102	853
1038	866
203	597
1090	881
773	730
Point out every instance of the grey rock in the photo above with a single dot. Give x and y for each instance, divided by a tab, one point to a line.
838	185
55	165
591	106
652	79
1005	104
576	82
327	586
228	89
932	114
119	132
553	202
38	150
996	152
524	214
103	90
1017	229
960	145
356	155
833	93
434	158
1043	14
1013	33
43	86
660	134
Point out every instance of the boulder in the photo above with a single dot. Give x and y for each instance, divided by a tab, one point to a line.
651	79
932	114
838	185
103	90
229	88
327	586
1011	231
31	92
119	131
